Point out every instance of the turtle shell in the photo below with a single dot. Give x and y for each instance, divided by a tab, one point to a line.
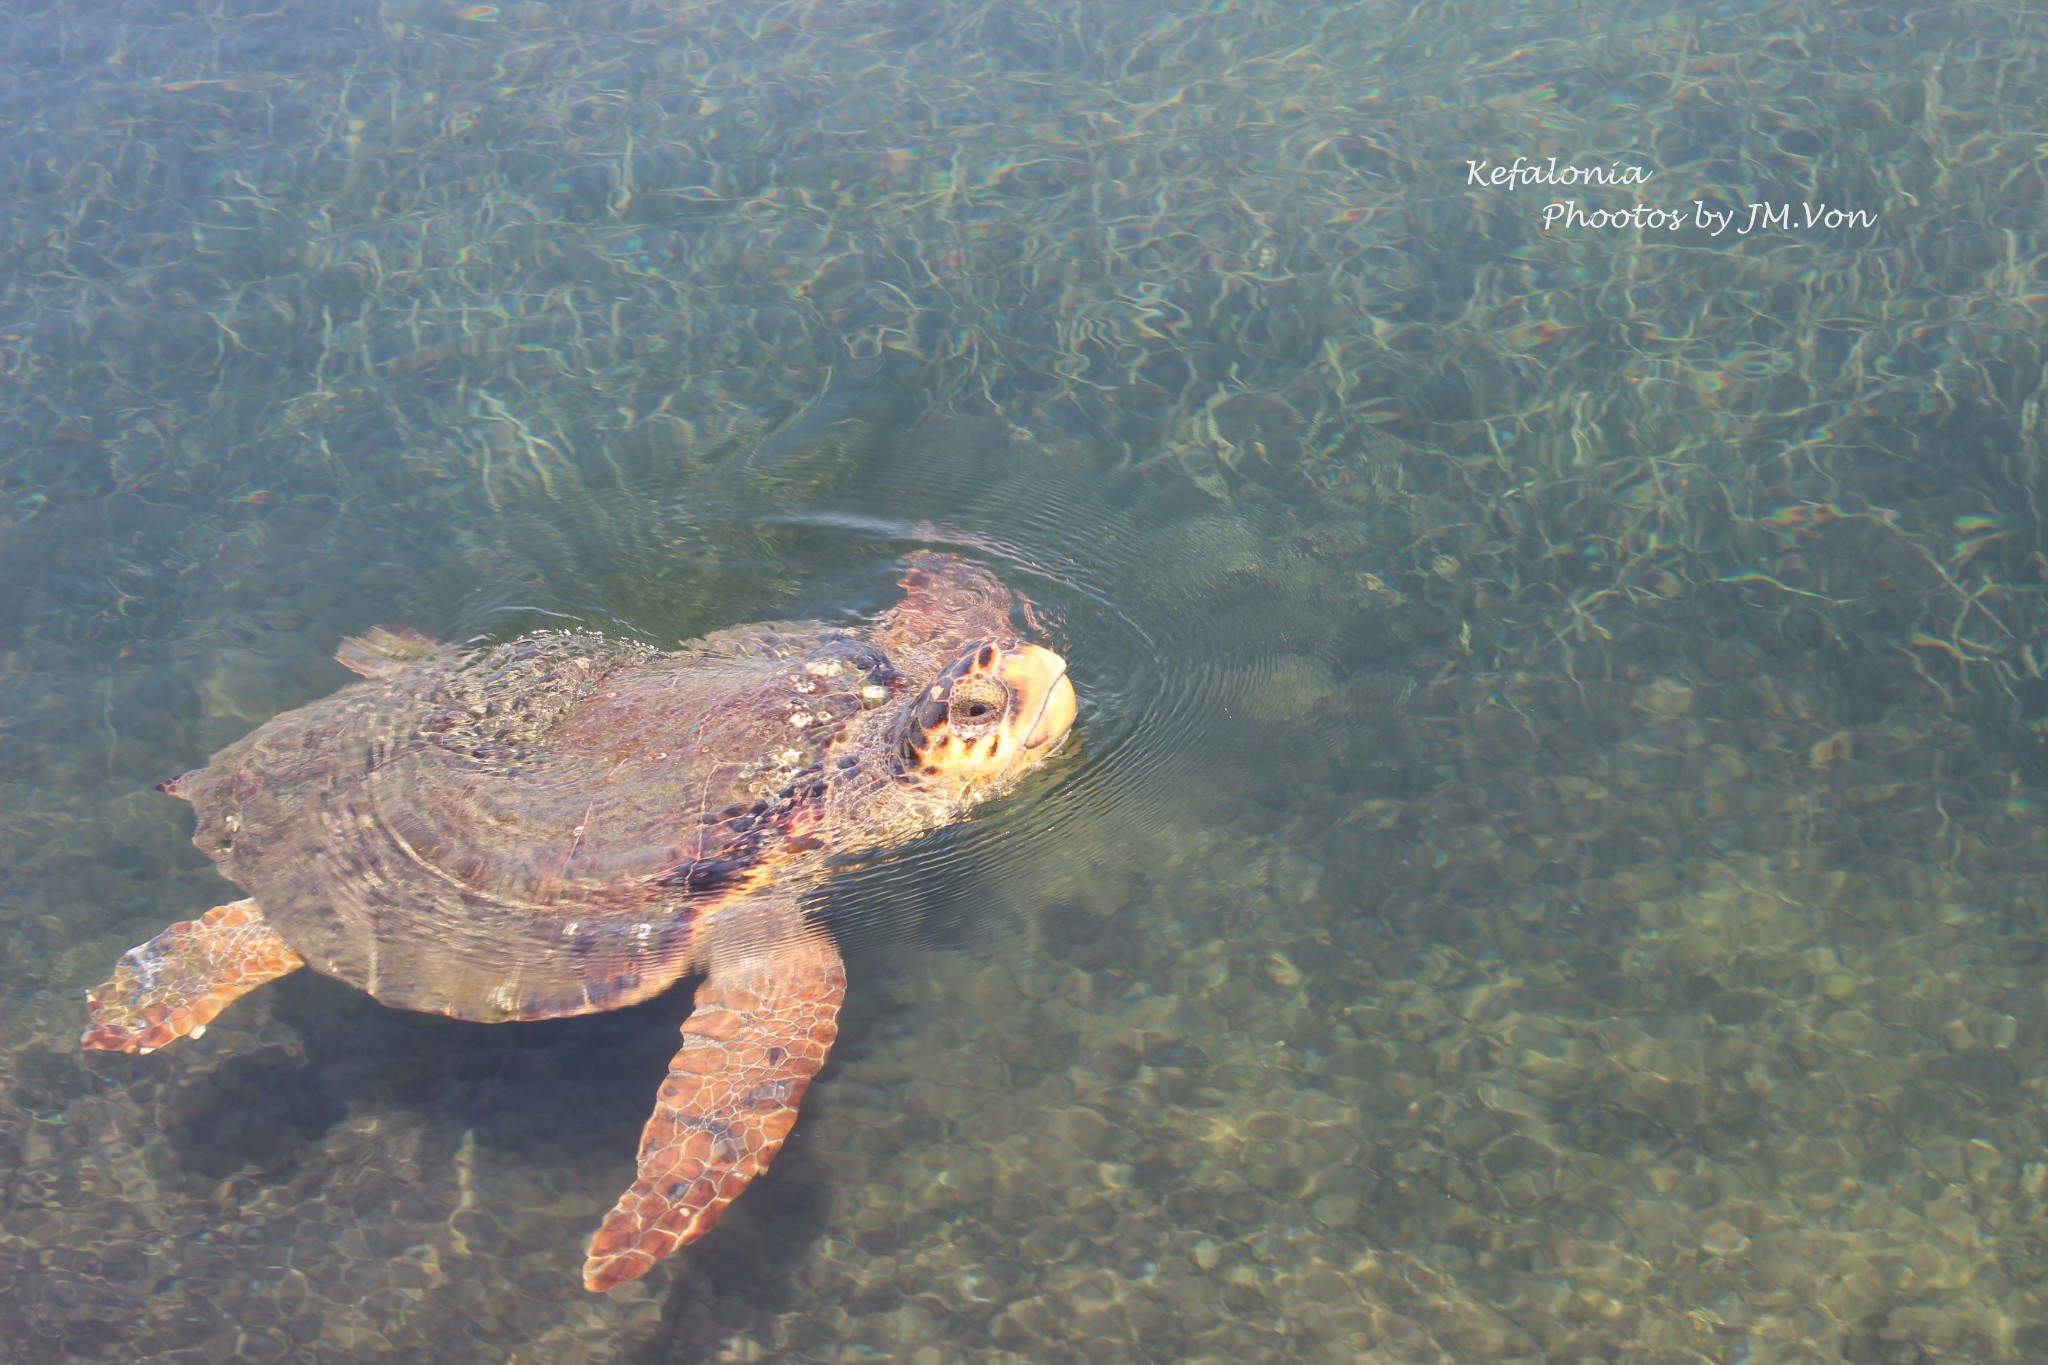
533	829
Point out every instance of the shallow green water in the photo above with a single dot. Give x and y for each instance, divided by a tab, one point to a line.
1553	868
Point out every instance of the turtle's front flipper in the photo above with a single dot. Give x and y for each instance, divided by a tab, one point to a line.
766	1016
385	651
175	983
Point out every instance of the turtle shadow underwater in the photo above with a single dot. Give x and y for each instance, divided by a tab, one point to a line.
563	1099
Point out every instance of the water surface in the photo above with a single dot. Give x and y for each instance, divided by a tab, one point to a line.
1552	865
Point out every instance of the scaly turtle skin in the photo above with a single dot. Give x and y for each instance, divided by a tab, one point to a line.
569	823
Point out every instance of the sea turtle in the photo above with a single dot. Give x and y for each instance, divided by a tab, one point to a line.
570	823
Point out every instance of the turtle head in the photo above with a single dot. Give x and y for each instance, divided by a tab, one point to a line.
991	716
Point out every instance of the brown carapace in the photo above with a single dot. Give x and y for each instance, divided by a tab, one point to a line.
569	823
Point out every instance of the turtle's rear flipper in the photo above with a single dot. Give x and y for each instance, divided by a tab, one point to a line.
174	984
765	1019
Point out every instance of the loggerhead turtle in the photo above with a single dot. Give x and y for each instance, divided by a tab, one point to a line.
569	823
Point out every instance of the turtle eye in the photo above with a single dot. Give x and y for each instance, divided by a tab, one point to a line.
976	706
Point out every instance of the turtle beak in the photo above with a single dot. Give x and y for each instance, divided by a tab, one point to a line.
1037	677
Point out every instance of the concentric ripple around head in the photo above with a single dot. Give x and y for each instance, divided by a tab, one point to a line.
1159	616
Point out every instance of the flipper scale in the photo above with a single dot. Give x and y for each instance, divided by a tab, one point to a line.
761	1030
174	985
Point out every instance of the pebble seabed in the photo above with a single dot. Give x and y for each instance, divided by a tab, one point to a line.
1593	1049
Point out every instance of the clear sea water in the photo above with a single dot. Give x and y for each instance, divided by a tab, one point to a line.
1555	864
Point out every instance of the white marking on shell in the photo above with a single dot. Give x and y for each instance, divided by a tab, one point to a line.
148	970
198	1032
643	931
